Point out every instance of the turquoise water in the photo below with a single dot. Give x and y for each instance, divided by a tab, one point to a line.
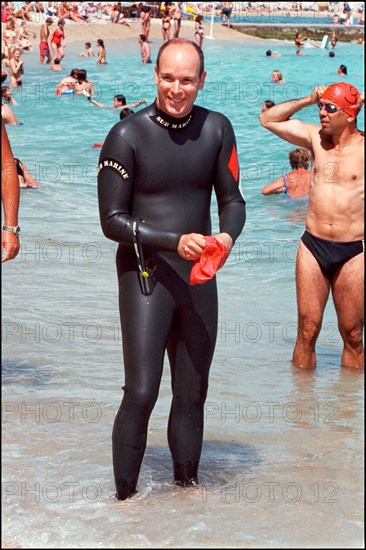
279	445
278	17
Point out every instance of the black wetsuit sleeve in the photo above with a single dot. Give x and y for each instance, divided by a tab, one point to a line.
231	204
116	172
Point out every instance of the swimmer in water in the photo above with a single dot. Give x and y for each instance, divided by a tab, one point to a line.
295	183
26	180
68	83
160	216
119	102
102	54
342	70
277	77
330	255
267	104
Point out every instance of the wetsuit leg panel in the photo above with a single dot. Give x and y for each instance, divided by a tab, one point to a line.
191	346
144	331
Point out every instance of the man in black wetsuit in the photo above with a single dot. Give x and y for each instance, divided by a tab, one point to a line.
157	171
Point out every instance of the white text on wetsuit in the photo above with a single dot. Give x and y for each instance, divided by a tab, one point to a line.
171	124
113	164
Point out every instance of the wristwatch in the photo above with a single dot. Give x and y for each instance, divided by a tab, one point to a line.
13	229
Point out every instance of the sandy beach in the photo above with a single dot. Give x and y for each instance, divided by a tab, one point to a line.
75	32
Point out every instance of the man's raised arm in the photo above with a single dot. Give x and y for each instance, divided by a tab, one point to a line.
277	119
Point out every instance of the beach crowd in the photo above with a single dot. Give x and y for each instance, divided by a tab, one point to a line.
176	233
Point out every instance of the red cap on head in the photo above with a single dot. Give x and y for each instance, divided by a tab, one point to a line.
345	96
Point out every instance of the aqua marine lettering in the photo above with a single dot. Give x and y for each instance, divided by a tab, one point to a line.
108	163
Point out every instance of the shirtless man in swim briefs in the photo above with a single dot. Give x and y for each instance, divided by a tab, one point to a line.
331	251
145	49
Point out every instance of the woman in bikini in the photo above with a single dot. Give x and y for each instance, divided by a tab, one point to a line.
166	24
296	183
102	54
16	68
198	30
9	37
145	17
57	40
177	18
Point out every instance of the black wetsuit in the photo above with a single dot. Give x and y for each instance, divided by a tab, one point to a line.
163	170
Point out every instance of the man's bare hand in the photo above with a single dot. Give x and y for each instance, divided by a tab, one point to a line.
10	244
226	240
317	93
191	246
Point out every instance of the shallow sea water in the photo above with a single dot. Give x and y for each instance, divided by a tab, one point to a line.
282	462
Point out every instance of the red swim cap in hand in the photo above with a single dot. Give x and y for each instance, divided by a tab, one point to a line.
345	96
212	259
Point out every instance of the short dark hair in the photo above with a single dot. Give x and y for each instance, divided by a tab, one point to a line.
125	113
331	53
343	68
268	53
269	103
182	42
121	98
81	75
